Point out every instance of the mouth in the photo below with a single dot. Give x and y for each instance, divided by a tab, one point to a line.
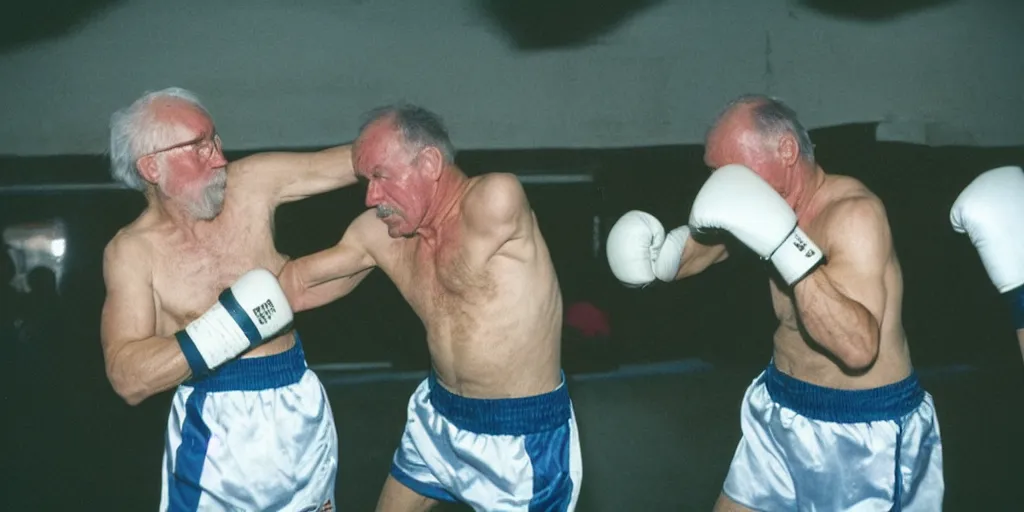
220	179
384	212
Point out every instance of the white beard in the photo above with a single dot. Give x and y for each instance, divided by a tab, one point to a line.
211	200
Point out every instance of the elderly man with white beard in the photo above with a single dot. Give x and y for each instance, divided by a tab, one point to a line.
193	304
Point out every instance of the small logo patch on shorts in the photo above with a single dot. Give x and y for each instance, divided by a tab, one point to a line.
327	507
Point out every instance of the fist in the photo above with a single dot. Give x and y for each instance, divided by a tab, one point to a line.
737	200
639	251
990	211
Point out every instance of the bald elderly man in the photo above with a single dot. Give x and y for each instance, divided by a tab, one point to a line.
193	305
990	211
838	420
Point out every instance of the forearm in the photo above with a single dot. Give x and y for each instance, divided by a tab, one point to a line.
141	369
312	281
840	325
325	293
698	257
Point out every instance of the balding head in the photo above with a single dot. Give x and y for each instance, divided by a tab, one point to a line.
402	151
763	134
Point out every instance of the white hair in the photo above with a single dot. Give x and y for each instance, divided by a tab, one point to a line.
772	117
134	131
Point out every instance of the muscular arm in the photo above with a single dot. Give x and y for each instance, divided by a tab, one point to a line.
285	177
493	214
323	277
841	304
139	363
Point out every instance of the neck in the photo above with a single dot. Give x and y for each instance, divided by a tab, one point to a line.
808	180
450	187
172	213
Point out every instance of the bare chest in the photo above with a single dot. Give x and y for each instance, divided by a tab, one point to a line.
188	277
444	279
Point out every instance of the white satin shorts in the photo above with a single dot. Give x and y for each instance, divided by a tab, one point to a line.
256	434
517	454
811	448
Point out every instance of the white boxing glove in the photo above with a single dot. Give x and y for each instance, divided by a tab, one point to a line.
253	310
737	200
991	212
639	251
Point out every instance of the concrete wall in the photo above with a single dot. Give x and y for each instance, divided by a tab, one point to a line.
298	74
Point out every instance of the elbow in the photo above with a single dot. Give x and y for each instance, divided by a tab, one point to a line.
132	391
131	396
132	399
861	356
298	301
293	287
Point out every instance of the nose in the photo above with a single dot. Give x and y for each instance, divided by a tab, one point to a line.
218	159
373	196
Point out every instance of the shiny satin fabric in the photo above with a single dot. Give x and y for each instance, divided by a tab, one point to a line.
493	455
817	455
257	435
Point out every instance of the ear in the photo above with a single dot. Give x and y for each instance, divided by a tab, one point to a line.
148	168
788	150
432	162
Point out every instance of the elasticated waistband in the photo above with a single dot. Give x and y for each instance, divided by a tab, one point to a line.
890	402
255	373
503	416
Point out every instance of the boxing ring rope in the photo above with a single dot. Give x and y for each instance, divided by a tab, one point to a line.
351	367
56	188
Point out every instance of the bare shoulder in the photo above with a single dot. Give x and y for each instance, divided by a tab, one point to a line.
495	197
369	233
855	219
367	225
247	182
130	251
850	203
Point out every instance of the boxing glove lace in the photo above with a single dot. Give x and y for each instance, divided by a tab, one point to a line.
639	251
737	200
248	313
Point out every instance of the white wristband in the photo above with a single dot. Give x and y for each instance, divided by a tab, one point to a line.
795	258
213	339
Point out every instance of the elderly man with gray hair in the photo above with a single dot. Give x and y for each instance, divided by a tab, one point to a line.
837	420
193	304
492	425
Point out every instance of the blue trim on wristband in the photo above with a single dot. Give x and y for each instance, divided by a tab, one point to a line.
231	305
1016	297
195	360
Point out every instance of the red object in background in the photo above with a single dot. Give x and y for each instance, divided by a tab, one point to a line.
588	319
